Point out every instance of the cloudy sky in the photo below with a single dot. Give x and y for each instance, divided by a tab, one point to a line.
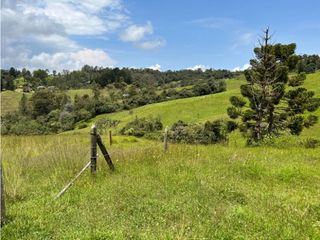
166	34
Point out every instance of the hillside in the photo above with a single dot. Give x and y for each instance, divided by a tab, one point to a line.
10	101
197	109
189	192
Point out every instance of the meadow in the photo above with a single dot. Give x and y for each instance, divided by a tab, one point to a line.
10	99
189	192
195	109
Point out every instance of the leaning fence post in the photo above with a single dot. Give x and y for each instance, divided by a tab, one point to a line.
105	152
3	209
165	139
110	137
93	158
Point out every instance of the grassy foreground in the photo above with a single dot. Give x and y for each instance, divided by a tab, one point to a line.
192	192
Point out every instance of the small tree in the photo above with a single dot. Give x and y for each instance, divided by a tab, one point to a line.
275	102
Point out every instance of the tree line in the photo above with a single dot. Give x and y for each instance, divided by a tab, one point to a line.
30	80
88	75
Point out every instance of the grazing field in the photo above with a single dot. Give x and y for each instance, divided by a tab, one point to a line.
196	109
192	192
10	101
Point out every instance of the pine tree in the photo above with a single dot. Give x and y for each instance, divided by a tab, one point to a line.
271	103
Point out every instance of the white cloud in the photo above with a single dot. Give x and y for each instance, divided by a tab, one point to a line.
197	67
247	38
81	18
216	22
243	39
36	34
40	33
135	33
71	61
244	67
95	57
155	67
152	44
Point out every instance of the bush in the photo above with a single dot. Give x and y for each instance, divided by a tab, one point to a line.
140	126
67	121
82	114
105	123
30	127
210	132
20	125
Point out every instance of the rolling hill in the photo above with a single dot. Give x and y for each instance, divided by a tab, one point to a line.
198	109
188	192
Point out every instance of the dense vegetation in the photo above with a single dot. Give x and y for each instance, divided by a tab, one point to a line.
119	78
31	80
50	110
189	192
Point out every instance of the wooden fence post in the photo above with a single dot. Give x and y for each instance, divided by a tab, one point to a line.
110	137
165	139
3	209
93	158
105	153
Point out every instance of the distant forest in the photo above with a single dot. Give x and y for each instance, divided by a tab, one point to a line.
13	78
87	76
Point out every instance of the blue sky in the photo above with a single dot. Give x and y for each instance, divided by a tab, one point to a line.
65	34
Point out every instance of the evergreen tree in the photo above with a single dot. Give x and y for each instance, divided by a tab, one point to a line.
272	107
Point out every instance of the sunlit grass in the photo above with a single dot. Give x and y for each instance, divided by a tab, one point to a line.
190	192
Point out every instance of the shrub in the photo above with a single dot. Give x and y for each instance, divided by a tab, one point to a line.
105	123
30	127
82	114
210	132
67	121
140	126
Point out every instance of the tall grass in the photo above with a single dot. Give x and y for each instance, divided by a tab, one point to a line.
190	192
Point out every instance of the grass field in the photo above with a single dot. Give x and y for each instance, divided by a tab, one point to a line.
10	101
191	192
196	109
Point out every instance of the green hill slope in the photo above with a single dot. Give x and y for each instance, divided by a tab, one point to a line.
10	101
188	192
197	109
